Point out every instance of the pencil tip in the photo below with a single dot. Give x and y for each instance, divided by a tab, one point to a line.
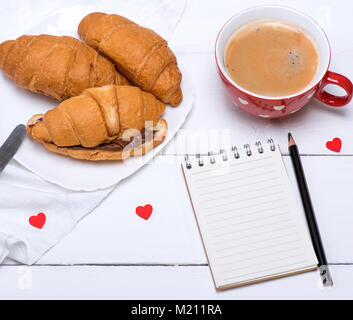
291	141
289	136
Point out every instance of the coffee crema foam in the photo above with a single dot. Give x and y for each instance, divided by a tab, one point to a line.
271	58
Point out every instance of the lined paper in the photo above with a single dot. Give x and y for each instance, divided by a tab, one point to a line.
249	220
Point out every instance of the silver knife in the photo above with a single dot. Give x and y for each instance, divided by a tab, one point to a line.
11	145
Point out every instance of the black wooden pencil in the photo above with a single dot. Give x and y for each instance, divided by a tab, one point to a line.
309	212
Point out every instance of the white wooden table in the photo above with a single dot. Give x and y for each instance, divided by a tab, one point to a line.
114	254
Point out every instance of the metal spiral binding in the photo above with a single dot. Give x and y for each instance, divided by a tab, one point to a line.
200	160
235	152
224	153
259	147
188	163
272	144
248	150
212	158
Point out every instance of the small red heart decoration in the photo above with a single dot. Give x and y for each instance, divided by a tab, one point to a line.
37	221
334	145
144	212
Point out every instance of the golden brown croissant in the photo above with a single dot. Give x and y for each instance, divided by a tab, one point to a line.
59	67
139	53
106	123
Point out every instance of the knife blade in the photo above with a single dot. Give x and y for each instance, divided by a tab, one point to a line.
11	145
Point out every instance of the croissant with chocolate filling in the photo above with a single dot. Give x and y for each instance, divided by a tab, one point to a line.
139	53
59	67
107	123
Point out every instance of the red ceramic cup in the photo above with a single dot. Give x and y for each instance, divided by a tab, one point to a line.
275	107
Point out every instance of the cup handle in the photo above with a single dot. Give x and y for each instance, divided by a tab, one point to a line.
330	99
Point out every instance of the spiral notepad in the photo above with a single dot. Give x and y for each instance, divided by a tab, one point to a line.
250	223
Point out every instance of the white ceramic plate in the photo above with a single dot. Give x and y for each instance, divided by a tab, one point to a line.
19	105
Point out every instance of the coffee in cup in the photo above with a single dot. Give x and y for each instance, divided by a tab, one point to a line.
271	58
279	74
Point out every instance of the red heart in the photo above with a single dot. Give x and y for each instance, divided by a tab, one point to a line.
334	145
37	221
144	212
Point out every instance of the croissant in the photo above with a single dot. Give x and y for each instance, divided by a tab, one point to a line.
106	123
59	67
139	53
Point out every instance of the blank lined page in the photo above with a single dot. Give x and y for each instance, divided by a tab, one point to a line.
249	220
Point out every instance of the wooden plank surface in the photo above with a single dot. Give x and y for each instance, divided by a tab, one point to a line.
139	282
114	235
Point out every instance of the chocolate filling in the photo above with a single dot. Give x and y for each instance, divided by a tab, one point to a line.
120	145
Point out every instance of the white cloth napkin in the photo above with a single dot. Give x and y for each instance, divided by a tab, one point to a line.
23	194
